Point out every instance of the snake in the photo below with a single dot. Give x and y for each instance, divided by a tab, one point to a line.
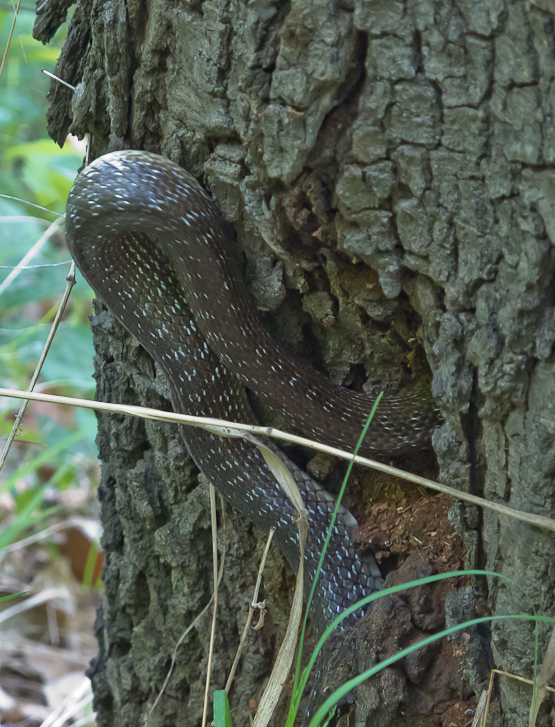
153	246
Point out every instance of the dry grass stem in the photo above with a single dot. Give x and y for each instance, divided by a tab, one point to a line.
480	709
16	13
193	624
73	704
224	428
214	523
547	670
284	660
252	607
483	716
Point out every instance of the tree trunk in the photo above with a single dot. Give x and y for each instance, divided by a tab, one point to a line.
388	166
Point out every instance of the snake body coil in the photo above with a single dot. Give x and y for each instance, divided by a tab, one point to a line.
151	243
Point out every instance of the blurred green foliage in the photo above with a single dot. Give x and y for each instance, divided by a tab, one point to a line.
54	448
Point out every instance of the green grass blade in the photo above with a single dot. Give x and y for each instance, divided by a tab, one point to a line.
222	712
332	700
12	595
297	694
392	590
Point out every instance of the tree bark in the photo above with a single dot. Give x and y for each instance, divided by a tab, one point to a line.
388	166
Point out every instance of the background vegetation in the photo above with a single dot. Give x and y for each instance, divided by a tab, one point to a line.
48	483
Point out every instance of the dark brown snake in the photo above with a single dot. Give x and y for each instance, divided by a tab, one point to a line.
151	243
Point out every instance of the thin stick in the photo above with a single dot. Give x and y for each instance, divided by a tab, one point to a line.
253	605
214	522
57	318
56	78
232	429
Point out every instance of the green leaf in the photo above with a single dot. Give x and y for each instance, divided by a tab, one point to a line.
222	712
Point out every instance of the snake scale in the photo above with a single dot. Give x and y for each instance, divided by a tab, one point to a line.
152	245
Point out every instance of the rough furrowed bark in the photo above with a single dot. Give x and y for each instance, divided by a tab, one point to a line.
389	169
